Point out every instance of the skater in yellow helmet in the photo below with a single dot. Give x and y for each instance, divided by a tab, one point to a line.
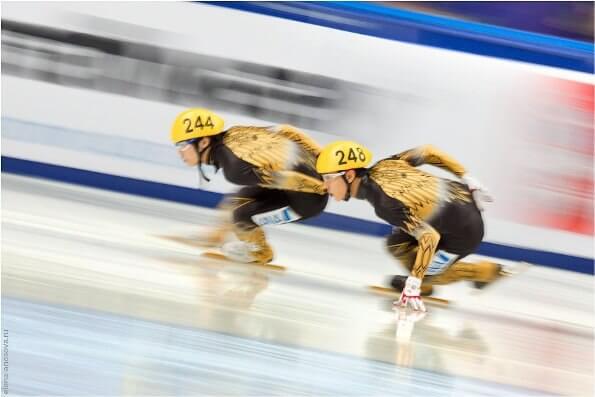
437	222
276	165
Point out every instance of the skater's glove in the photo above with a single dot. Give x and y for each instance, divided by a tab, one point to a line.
411	295
479	192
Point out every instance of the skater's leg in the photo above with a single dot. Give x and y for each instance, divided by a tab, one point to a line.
483	271
258	207
404	248
462	230
251	203
226	208
307	205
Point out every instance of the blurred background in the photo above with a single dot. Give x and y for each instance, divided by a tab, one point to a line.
567	19
95	201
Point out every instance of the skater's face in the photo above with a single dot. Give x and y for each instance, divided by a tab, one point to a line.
336	186
188	154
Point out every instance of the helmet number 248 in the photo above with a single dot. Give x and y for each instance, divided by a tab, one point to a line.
350	156
198	124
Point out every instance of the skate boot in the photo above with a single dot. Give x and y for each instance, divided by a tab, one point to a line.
496	276
502	271
398	283
240	251
252	247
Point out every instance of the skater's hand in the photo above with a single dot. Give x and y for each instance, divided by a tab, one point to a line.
411	295
479	192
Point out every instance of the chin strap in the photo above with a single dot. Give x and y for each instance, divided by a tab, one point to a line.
348	194
200	171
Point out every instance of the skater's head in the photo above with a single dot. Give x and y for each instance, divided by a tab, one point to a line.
192	133
194	151
188	152
341	164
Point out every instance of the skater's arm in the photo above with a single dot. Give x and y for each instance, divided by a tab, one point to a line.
428	154
292	180
427	240
297	136
398	215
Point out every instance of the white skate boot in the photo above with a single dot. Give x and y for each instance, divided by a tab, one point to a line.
239	251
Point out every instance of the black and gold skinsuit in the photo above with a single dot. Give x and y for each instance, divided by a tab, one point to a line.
428	214
277	166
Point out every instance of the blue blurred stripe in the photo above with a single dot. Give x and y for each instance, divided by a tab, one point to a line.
435	31
210	199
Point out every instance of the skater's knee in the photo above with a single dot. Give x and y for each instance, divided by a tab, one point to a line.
400	243
242	226
403	250
399	249
242	217
308	205
398	236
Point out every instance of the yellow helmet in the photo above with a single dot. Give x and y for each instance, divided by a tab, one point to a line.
341	156
196	123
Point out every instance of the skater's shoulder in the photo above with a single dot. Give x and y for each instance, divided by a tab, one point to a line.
245	130
388	166
247	136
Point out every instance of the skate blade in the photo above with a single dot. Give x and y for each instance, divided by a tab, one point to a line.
515	270
221	257
391	292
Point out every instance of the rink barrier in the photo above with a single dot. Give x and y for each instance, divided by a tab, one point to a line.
431	30
211	199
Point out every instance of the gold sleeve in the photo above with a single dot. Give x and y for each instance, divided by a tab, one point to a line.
427	239
292	180
428	154
298	137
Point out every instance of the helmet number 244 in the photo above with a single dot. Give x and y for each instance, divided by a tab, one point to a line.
198	124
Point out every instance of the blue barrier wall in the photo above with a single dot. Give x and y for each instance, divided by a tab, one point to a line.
429	30
210	199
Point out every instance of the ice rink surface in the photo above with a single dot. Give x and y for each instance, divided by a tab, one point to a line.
95	301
